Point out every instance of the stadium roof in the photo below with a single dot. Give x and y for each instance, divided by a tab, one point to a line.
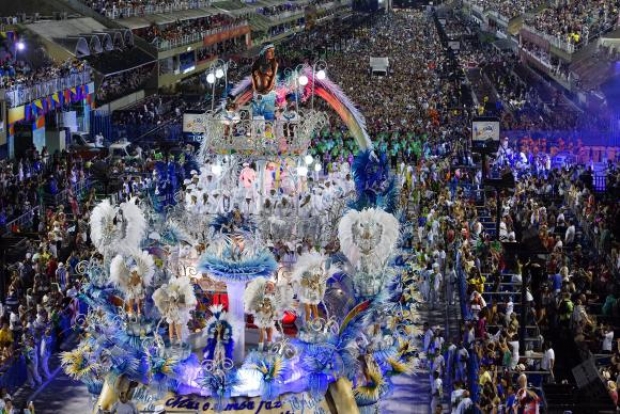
164	19
53	29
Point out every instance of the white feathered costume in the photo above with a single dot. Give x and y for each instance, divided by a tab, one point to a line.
176	300
116	229
132	273
310	277
368	238
267	302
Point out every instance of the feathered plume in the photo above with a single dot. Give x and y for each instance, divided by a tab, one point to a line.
117	229
80	364
220	383
176	300
375	387
175	234
102	225
322	364
310	276
371	234
225	261
272	369
121	268
374	185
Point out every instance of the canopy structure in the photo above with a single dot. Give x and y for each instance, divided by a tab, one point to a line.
77	45
106	40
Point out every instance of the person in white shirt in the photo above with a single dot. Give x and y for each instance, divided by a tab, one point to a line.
548	361
124	406
439	363
465	403
437	391
428	337
456	396
514	345
569	236
608	339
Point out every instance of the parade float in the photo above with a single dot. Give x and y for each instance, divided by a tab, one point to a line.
192	307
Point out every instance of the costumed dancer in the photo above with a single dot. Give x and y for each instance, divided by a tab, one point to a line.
266	302
46	348
219	330
32	363
132	274
175	300
310	276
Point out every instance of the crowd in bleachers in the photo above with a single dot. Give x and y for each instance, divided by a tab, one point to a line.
271	11
176	31
20	73
510	8
121	9
154	110
120	84
574	20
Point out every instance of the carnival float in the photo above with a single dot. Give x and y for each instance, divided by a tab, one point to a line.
253	291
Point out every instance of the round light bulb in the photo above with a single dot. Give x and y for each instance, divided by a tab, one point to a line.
211	78
216	169
320	75
318	167
302	171
308	159
219	73
20	46
303	80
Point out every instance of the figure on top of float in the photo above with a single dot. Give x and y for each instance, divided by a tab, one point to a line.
264	78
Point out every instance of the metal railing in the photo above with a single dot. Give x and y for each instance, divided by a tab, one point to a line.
145	10
556	41
284	15
194	37
23	221
21	94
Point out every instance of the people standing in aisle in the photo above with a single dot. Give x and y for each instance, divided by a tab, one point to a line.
46	349
436	391
32	363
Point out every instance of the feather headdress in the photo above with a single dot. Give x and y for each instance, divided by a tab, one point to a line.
117	229
370	234
176	300
311	276
257	290
175	234
122	265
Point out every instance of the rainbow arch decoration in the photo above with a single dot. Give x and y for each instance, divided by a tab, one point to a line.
325	89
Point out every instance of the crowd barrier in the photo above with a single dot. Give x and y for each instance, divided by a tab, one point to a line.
19	94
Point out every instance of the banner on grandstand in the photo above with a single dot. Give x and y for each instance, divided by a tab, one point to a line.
485	133
225	35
